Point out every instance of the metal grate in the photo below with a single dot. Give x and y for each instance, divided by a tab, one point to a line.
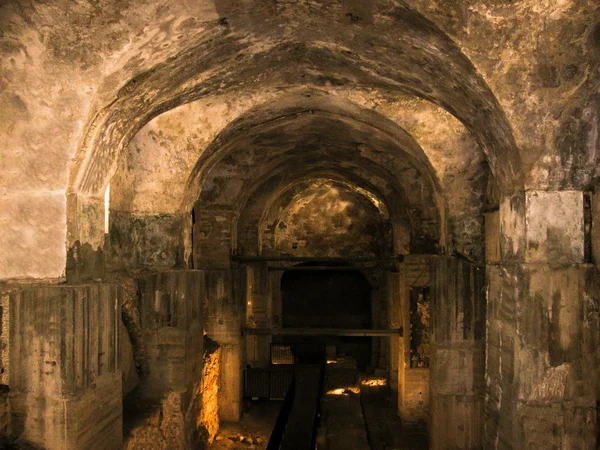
267	383
282	354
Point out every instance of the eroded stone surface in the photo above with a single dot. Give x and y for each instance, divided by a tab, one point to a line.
212	119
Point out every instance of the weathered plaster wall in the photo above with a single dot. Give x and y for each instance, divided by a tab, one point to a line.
55	58
258	220
87	54
119	44
542	66
328	220
136	241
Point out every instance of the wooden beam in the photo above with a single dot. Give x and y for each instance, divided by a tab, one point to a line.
317	260
361	332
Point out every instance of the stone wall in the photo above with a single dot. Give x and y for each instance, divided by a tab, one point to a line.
137	241
542	332
541	352
171	319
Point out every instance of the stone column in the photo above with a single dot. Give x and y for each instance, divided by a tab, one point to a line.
64	366
413	383
457	358
171	317
542	325
394	321
225	292
258	313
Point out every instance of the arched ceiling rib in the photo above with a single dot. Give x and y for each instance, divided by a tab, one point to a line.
276	145
250	146
415	58
168	146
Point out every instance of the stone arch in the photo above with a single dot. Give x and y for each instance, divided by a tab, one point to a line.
308	137
403	61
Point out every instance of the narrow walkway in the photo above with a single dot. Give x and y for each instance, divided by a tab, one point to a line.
342	421
354	416
383	424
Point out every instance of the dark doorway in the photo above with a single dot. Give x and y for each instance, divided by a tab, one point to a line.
327	297
332	298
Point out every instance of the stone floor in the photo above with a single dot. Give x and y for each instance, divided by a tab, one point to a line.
253	430
383	424
355	415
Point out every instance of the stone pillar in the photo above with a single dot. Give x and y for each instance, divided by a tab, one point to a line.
395	321
457	358
225	293
413	383
258	313
64	366
542	326
171	318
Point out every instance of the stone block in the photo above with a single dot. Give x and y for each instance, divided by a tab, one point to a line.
458	371
459	422
553	321
512	228
65	371
556	425
458	293
492	237
541	347
555	228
